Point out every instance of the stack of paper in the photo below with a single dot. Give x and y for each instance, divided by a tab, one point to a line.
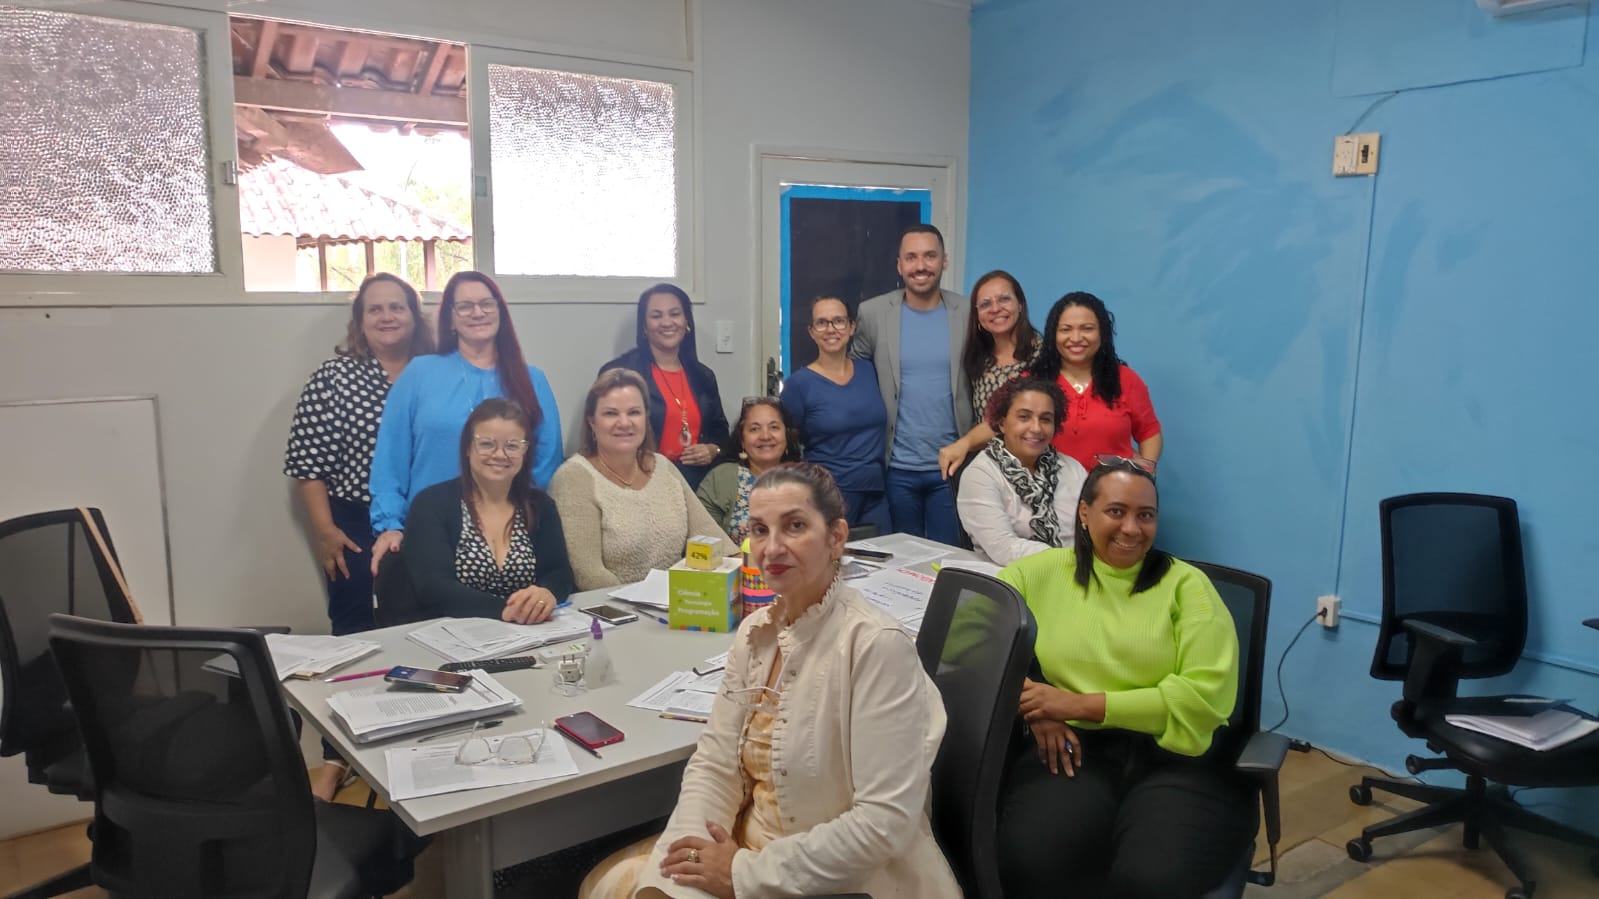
1548	729
471	639
900	592
431	770
371	713
681	694
295	655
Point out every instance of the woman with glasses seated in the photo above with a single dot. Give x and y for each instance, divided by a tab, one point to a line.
1113	794
1019	496
685	405
763	436
479	357
1000	345
487	543
839	409
625	508
812	775
1107	405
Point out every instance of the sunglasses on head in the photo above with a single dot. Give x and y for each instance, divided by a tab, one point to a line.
1137	464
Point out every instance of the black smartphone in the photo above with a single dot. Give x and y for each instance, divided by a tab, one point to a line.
428	679
588	729
610	614
877	554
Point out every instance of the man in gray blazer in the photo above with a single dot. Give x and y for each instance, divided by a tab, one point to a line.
915	337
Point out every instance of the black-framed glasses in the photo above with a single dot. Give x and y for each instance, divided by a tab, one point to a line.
841	323
1136	463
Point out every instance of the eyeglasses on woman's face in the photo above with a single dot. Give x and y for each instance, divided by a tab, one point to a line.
839	323
466	308
488	446
1003	300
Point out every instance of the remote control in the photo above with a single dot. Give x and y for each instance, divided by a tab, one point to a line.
493	666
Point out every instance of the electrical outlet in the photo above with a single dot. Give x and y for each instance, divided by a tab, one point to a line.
724	336
1356	154
1327	610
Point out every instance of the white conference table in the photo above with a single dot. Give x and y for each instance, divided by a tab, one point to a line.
634	781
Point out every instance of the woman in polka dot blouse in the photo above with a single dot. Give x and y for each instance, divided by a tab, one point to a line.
329	454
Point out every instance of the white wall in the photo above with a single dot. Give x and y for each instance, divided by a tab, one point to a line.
887	76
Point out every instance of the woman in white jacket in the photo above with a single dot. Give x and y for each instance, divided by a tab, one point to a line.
812	776
1019	495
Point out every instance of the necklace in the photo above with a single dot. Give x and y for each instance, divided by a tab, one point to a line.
625	482
684	436
1079	387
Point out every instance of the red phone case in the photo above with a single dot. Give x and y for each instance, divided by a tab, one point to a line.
565	726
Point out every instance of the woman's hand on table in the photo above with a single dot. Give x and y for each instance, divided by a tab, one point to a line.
529	605
703	864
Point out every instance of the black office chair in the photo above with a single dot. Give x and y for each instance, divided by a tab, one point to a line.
199	786
1454	606
863	532
976	642
394	593
59	561
1240	744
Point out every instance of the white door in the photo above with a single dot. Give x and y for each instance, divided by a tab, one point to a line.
831	228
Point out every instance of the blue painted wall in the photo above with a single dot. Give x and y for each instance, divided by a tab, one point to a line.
1313	344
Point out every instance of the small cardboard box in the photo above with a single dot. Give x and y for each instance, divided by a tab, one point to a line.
704	600
701	552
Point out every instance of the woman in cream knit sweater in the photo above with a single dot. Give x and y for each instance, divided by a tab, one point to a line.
624	507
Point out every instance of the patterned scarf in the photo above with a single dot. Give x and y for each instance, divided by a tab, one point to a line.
1037	492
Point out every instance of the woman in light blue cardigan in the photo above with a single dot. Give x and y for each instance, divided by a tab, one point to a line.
418	440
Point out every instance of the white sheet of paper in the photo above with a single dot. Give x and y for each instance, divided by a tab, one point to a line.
430	770
658	697
898	591
689	703
704	683
977	565
653	591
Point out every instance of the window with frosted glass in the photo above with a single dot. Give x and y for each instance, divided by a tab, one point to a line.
104	161
585	174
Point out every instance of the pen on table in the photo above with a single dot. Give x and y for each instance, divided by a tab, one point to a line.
586	747
455	731
357	676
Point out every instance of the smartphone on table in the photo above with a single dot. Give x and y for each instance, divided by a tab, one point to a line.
588	729
428	679
610	614
879	555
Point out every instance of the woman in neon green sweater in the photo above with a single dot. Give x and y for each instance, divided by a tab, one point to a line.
1140	664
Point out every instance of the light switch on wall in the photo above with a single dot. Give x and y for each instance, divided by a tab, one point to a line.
724	336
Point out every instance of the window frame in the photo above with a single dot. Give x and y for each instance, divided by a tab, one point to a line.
225	287
589	289
58	289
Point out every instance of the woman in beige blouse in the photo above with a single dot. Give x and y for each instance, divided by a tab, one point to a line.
624	506
812	776
1001	344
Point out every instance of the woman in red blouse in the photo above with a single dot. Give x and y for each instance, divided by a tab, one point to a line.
1107	405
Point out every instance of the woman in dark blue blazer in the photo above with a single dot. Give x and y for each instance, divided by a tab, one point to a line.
685	406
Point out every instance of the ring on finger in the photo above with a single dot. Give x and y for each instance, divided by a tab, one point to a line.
694	856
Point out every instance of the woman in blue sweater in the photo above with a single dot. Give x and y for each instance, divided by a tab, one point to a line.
841	415
479	358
